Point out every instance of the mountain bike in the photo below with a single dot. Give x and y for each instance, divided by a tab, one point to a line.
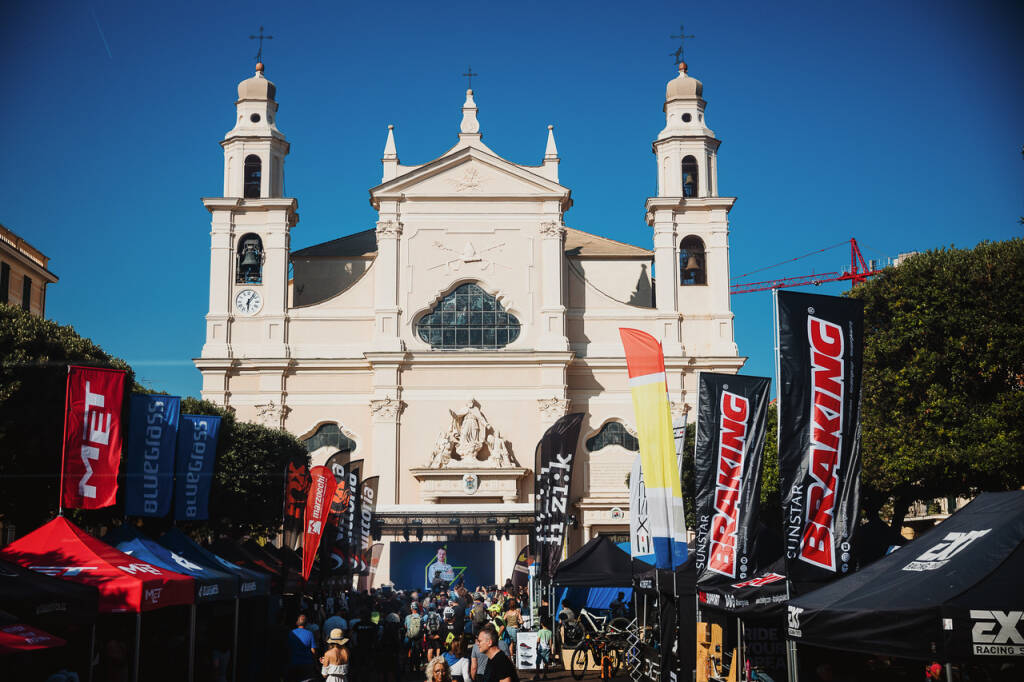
596	650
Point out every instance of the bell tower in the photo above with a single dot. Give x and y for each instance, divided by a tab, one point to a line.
249	245
691	227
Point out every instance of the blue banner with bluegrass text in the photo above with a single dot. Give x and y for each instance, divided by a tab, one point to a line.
197	450
149	455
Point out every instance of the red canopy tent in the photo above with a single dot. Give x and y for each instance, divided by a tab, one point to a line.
21	637
126	585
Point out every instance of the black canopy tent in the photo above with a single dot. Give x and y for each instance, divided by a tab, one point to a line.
954	594
599	563
41	600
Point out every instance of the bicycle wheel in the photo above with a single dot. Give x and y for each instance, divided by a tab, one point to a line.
578	662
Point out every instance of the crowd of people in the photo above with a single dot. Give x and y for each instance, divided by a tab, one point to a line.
385	635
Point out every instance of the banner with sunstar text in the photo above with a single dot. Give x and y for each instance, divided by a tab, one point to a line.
645	362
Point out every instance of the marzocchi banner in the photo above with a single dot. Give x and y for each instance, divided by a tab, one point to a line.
367	509
197	451
645	362
641	546
92	437
318	504
732	412
820	349
296	483
557	457
149	454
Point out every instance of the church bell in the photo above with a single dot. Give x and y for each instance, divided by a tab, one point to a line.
250	259
692	267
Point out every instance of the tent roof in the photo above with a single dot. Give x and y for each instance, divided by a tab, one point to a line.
251	583
44	600
211	584
599	563
920	598
62	549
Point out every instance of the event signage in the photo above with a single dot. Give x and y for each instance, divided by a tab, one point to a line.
645	362
149	454
557	459
820	358
351	545
296	483
641	546
732	413
367	507
331	551
197	451
92	437
318	502
365	581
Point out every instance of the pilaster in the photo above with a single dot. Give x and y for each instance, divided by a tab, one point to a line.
386	311
386	410
551	335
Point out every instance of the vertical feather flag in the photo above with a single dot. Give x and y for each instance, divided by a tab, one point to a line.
645	362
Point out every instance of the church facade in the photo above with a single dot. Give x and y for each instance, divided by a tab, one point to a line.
440	343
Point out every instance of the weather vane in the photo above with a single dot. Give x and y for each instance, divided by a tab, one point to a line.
261	38
682	38
469	75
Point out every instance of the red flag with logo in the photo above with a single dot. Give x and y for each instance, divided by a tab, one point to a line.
92	437
318	505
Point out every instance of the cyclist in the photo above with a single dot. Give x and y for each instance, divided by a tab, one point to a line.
414	636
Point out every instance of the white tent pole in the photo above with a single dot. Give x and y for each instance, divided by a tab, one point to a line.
138	644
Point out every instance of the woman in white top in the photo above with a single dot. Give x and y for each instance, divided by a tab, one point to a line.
460	668
335	660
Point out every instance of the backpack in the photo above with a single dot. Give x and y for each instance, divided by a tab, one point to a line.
478	614
415	623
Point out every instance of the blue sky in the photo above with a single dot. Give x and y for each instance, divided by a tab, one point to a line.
898	123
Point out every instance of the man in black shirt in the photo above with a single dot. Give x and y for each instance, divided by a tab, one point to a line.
499	666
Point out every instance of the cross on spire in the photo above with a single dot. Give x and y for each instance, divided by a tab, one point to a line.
682	38
261	38
469	76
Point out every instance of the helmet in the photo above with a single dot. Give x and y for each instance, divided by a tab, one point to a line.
393	618
449	612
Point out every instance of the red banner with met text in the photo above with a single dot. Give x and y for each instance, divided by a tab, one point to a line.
92	437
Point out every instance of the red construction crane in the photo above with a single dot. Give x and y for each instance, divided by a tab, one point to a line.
859	272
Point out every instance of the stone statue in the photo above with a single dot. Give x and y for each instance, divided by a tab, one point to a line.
469	441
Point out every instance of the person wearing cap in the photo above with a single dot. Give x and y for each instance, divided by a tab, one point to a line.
334	662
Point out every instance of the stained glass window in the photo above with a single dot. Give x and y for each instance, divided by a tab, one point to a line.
613	433
329	434
468	317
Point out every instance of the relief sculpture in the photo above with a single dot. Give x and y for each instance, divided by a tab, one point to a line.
470	441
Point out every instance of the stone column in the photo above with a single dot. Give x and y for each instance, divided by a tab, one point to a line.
386	311
551	335
666	271
385	412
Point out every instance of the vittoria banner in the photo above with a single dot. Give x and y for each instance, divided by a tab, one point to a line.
367	509
365	581
349	546
332	550
296	483
92	437
318	504
732	413
149	454
641	545
820	349
196	452
557	457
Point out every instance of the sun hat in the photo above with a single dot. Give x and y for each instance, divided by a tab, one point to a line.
337	637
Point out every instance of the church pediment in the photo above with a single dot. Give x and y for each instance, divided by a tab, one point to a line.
470	173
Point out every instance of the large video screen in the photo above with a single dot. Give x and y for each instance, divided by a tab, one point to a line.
472	561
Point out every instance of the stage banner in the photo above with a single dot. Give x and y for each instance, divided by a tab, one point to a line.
367	509
318	504
365	582
149	454
641	546
820	346
521	569
196	453
330	561
645	362
92	437
557	457
296	484
732	413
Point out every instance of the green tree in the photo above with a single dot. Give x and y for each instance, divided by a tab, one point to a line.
943	394
34	355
